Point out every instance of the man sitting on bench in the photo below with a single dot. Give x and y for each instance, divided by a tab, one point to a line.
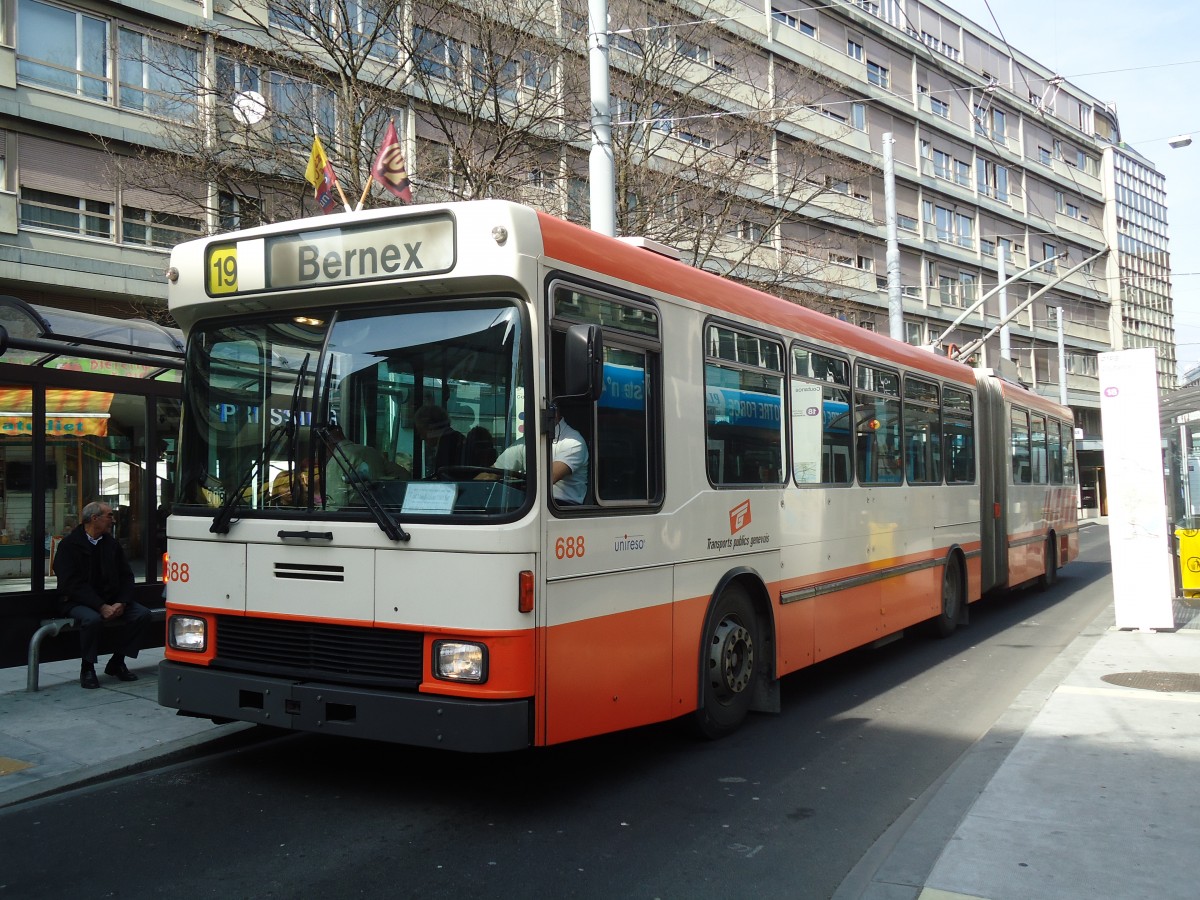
96	585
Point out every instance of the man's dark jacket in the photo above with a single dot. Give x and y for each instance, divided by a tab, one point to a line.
92	576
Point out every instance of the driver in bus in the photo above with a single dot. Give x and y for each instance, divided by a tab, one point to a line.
570	468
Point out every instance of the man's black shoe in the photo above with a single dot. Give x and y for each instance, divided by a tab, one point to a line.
117	669
87	678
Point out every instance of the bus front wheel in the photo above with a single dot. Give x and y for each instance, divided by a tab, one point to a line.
730	663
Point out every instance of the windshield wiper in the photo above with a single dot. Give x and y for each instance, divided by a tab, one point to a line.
385	520
224	517
221	521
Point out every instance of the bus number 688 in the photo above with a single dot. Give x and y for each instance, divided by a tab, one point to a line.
569	547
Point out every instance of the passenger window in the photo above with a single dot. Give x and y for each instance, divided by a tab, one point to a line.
822	442
1022	471
958	423
877	425
743	403
922	432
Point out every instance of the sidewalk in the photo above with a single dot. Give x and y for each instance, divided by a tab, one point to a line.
63	736
1085	788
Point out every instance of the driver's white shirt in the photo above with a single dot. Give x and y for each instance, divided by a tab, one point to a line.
569	448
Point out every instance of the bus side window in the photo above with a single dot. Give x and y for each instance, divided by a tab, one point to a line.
743	400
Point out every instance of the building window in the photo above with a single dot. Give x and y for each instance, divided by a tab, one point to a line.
941	164
537	75
62	49
1045	156
749	231
854	49
992	179
234	77
437	56
156	229
907	223
297	105
966	288
60	212
494	75
912	334
939	107
992	122
948	291
238	212
693	51
1049	251
858	116
157	76
877	74
964	230
791	21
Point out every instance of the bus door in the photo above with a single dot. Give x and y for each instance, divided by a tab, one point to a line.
607	597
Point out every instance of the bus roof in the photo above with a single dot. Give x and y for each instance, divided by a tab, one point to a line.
579	246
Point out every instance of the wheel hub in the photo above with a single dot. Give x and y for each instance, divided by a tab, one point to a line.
731	660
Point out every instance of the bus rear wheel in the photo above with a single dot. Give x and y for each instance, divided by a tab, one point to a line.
952	598
1050	576
730	663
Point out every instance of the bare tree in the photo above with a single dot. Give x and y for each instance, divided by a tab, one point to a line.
720	150
716	149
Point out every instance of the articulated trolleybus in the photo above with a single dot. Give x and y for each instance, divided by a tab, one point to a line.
469	476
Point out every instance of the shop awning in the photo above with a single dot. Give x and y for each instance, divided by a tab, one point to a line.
68	413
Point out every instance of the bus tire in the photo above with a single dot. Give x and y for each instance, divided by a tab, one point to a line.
1048	578
952	598
730	663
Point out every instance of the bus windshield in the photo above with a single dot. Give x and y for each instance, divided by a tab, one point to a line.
391	412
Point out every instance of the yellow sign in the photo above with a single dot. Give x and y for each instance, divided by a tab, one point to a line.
222	270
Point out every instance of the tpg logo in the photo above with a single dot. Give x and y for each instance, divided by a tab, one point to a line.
739	517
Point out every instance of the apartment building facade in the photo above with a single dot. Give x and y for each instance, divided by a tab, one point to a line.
995	155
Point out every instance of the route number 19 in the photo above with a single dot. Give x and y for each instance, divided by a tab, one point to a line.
222	270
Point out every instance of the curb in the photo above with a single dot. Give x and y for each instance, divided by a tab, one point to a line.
901	859
232	736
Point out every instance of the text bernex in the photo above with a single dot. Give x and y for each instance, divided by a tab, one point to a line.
340	256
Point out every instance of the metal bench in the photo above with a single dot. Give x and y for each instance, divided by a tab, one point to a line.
55	627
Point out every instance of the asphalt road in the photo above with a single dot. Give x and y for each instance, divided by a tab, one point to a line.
785	807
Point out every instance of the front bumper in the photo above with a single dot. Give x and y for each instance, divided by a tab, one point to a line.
422	720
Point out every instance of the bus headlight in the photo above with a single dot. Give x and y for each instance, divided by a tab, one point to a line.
460	661
187	633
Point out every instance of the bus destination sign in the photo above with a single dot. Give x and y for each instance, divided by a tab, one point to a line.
330	256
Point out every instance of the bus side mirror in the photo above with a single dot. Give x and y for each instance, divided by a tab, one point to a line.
583	366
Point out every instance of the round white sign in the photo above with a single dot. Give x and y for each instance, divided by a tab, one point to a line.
249	107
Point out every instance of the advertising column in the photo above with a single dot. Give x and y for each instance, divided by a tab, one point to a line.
1143	586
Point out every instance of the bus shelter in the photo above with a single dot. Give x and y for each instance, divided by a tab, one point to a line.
89	410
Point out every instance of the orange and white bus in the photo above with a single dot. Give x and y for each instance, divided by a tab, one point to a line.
368	537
